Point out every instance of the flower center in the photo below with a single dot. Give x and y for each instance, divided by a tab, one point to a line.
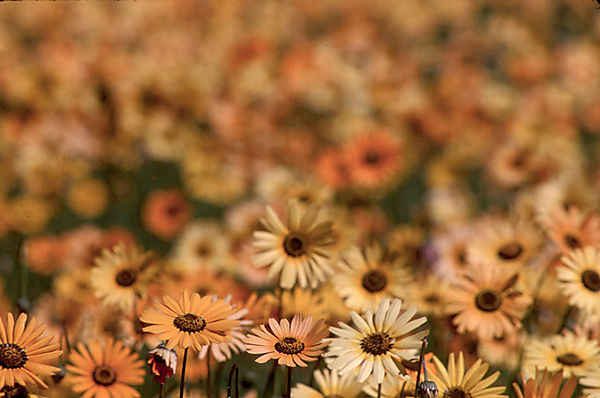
591	280
333	396
190	323
456	393
510	251
202	250
374	281
488	301
372	158
12	356
432	299
569	359
289	345
294	244
572	241
126	277
104	375
461	255
377	343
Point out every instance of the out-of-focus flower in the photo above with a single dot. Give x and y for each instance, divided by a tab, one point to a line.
44	253
546	384
25	352
330	383
302	302
165	213
88	198
570	230
163	362
203	243
291	344
298	249
579	278
29	214
431	295
376	341
111	370
191	321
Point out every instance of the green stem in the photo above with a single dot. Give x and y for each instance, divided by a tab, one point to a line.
379	390
288	393
182	382
208	373
160	390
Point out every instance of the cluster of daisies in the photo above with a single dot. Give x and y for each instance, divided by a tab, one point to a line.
333	199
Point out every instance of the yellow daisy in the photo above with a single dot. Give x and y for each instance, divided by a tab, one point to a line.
302	302
330	384
454	382
546	385
365	278
121	275
579	279
299	250
376	342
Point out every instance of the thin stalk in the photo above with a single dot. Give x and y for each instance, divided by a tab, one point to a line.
160	390
182	382
208	375
379	390
288	393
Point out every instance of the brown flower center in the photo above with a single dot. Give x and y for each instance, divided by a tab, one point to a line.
572	241
488	300
432	299
510	251
190	323
372	158
333	396
12	356
456	392
377	343
591	280
569	359
289	345
295	244
374	281
126	277
104	375
202	250
461	255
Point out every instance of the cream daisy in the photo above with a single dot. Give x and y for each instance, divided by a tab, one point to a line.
579	279
299	250
330	384
378	340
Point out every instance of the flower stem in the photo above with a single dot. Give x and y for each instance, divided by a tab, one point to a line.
288	393
182	382
379	390
208	373
160	390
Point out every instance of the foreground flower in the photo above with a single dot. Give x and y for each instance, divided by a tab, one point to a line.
380	338
573	354
291	344
106	372
579	279
299	249
25	352
163	362
546	385
453	381
121	275
331	384
486	303
190	322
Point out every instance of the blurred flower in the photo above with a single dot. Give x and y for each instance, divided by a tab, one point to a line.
88	198
25	352
203	243
330	384
290	344
44	253
570	230
105	371
190	322
165	213
29	214
376	341
299	249
302	302
546	384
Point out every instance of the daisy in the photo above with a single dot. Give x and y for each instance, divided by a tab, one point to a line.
190	322
303	302
108	371
579	278
451	250
377	341
330	384
453	381
485	302
431	296
366	277
25	352
121	275
165	213
290	344
591	381
570	230
546	385
203	244
299	249
575	355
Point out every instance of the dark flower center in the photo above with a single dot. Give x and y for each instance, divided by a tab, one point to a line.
377	343
202	250
289	345
461	256
333	396
190	323
372	158
104	375
374	281
569	359
572	241
456	392
432	299
488	301
12	356
510	251
126	277
174	209
294	244
591	280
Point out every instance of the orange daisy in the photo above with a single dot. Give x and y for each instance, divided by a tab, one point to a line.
165	213
485	302
374	158
570	230
291	344
25	352
106	372
191	321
